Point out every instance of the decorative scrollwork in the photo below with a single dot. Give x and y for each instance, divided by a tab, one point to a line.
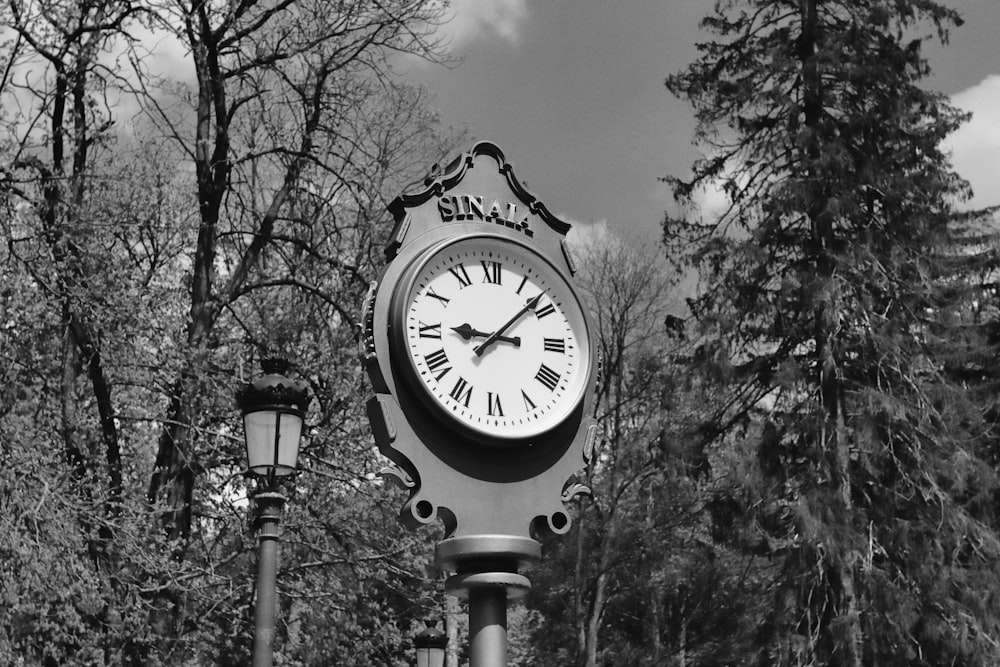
397	476
367	339
440	180
575	489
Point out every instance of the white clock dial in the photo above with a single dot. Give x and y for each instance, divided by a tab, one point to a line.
494	337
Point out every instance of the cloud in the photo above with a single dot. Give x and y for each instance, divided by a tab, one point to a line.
710	201
975	147
468	20
587	233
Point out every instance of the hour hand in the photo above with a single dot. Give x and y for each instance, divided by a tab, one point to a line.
467	332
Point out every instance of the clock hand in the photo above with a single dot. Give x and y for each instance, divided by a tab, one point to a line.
495	336
467	332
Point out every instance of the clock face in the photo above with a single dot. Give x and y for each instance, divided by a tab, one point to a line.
494	337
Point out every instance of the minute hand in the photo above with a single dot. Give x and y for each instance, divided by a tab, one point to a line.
492	338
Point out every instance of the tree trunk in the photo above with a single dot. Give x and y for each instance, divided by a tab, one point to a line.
579	611
172	483
682	642
588	614
655	598
833	438
594	618
453	609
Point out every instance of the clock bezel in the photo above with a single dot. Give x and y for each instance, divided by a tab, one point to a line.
408	373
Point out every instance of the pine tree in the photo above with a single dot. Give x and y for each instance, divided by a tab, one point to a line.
821	315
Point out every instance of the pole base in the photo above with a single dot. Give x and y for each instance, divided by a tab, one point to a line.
515	585
456	552
487	562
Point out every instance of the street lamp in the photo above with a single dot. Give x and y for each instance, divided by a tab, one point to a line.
273	408
430	644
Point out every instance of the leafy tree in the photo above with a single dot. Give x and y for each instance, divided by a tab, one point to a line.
818	312
161	234
657	569
627	295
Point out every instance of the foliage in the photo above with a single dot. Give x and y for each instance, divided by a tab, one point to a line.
162	231
825	320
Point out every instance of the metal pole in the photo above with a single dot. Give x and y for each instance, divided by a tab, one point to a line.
488	626
486	572
269	506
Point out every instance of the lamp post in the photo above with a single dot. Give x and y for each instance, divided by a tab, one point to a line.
273	408
430	644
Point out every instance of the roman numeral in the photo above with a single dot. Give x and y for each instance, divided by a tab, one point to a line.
553	345
461	275
434	331
493	405
521	286
492	271
436	360
547	377
529	404
457	392
432	293
547	310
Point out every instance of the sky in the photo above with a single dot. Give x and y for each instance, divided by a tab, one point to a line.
573	92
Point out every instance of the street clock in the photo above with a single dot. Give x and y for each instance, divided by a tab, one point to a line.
481	355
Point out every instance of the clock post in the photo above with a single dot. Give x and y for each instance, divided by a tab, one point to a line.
483	363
